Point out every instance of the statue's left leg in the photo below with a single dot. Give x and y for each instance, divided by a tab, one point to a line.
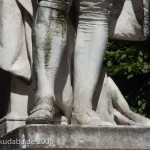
50	37
91	43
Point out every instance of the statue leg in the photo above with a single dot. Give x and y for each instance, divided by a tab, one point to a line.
50	35
91	43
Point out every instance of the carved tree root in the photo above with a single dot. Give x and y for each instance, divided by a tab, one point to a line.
110	107
123	114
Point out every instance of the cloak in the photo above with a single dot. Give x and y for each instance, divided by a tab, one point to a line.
129	20
16	18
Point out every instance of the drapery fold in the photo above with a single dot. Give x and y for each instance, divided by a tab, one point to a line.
16	36
129	20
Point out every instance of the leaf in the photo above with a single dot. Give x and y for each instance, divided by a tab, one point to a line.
109	63
140	59
130	76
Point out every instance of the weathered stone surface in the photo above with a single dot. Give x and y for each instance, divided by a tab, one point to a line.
129	20
77	137
8	126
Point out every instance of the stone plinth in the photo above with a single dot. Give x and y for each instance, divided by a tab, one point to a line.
40	137
8	126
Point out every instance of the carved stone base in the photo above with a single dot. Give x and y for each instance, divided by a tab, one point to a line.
77	137
8	126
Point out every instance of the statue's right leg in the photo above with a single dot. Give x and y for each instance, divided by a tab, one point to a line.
50	35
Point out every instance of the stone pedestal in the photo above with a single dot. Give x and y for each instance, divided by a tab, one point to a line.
40	137
18	105
8	126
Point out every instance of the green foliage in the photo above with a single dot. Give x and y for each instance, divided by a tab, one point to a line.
128	63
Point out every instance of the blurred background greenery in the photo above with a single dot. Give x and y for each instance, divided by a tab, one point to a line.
128	63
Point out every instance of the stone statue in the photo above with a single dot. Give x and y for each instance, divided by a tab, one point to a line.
67	61
52	23
96	98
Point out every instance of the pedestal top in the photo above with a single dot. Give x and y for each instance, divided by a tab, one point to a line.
77	137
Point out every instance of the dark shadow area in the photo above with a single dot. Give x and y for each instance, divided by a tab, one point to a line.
139	13
98	90
5	82
73	14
